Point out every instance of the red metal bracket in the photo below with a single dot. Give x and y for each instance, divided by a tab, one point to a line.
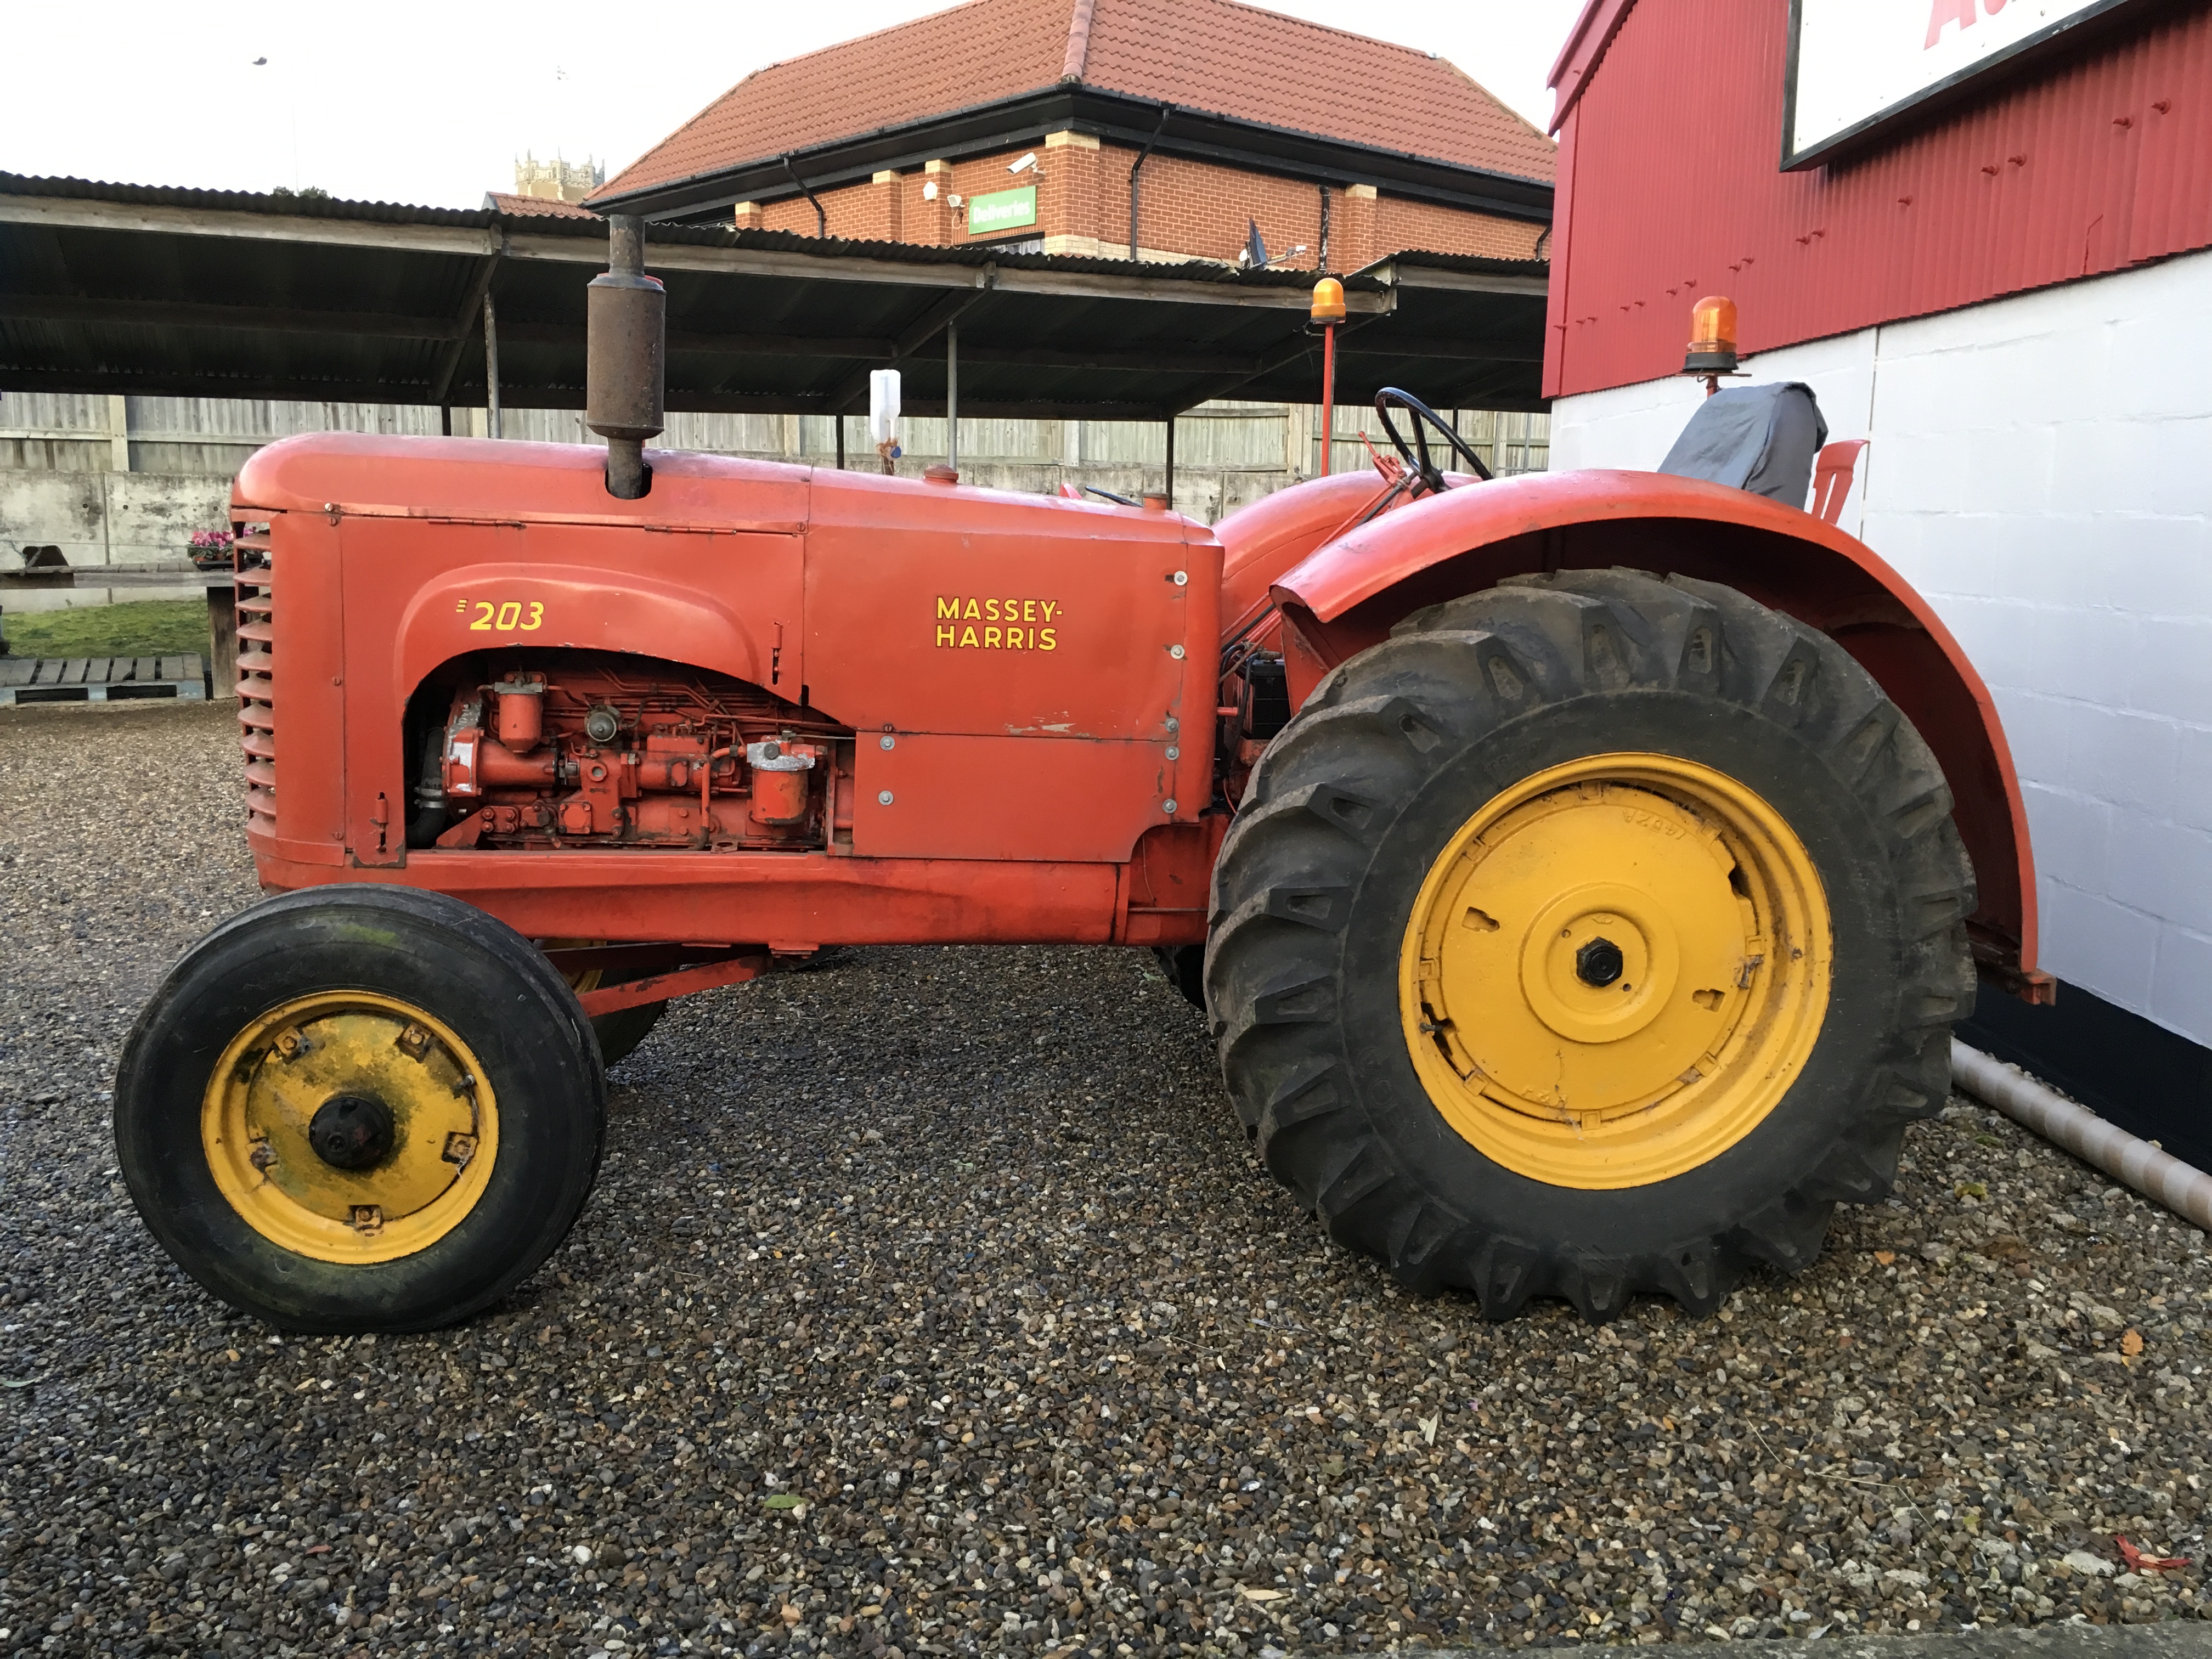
660	987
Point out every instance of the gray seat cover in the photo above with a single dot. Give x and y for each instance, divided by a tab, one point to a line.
1759	438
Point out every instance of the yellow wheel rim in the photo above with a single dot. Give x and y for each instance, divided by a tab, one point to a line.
369	1080
1615	971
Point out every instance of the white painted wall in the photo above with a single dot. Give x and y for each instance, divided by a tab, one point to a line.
2041	469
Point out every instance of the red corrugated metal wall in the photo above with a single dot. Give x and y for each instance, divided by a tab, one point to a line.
1670	188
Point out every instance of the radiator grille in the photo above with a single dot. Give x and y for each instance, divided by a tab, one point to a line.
256	676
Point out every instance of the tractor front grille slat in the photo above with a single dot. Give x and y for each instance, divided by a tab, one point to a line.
257	675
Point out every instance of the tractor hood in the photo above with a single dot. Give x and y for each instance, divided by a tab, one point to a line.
373	475
360	475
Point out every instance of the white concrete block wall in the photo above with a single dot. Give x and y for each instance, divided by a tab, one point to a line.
2041	469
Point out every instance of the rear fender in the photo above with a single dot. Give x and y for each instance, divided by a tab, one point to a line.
1349	594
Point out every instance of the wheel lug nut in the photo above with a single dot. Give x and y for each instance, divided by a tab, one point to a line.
1599	962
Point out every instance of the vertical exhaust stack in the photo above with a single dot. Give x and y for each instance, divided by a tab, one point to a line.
625	357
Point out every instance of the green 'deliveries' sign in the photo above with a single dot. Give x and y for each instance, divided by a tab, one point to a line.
1002	209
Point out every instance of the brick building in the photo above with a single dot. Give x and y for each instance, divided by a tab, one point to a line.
1064	127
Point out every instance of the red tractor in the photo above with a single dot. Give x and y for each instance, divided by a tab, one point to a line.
1580	873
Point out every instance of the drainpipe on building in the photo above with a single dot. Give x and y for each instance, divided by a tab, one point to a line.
1137	168
820	219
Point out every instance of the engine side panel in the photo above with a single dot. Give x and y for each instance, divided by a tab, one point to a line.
1069	647
942	795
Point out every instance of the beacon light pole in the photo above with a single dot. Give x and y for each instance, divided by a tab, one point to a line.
1328	312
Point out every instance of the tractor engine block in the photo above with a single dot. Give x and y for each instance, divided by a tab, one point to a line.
551	756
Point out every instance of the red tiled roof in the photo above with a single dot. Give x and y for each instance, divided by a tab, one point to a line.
1216	56
534	207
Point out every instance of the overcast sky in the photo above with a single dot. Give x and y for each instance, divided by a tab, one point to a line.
410	101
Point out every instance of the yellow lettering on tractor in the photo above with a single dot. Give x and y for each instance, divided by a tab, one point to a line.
505	617
960	607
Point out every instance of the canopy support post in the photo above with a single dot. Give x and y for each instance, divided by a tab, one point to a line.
491	371
952	395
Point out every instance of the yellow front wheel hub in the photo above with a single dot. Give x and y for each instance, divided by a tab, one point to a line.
1615	971
349	1126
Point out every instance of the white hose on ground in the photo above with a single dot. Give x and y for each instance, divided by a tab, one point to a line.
2159	1175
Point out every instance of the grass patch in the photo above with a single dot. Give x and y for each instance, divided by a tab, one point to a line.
145	628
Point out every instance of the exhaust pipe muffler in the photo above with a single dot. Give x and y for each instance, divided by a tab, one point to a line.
626	357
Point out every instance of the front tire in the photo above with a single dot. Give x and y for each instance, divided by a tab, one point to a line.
1594	934
361	1108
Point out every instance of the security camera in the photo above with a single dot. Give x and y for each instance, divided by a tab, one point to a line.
1025	164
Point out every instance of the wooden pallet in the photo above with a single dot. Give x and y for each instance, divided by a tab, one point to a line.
99	679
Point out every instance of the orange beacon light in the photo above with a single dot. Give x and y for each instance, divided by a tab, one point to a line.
1713	340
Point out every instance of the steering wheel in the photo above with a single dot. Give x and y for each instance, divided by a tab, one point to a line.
1416	454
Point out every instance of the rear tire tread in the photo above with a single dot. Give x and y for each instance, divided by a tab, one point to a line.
1316	804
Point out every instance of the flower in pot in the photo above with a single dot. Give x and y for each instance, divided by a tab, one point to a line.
210	549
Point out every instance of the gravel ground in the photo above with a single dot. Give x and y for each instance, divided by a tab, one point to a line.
931	1303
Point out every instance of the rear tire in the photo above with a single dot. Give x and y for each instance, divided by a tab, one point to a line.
1442	1084
361	1108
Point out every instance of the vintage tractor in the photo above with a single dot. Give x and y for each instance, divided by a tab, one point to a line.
1580	873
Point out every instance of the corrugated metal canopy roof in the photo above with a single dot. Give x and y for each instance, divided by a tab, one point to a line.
128	289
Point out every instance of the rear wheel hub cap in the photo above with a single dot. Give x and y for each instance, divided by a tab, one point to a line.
351	1132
